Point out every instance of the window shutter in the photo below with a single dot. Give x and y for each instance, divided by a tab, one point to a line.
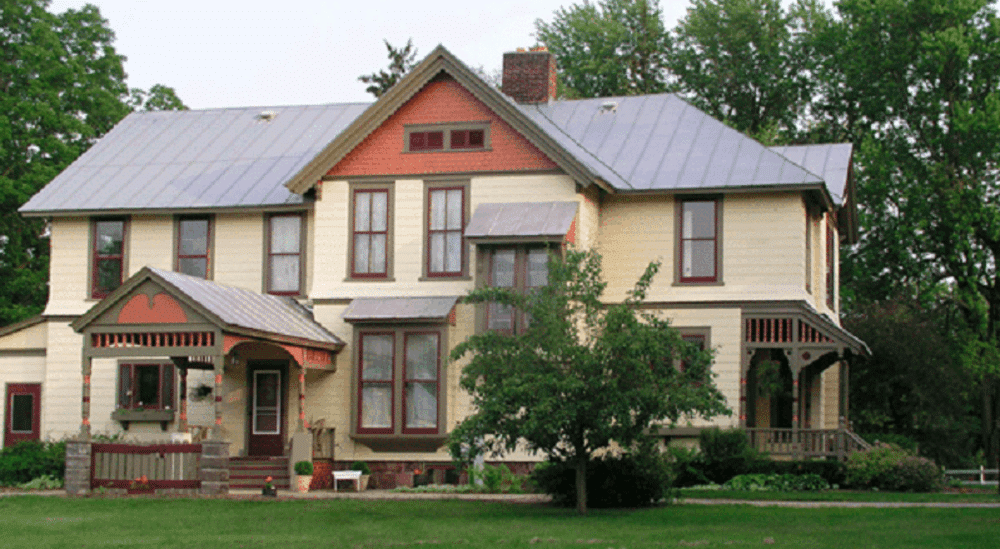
124	385
167	386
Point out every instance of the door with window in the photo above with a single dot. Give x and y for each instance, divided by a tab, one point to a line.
23	417
266	427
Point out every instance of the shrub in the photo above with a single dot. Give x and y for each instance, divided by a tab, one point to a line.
304	468
44	482
31	459
897	439
361	466
639	478
777	483
726	453
687	466
833	472
497	479
889	467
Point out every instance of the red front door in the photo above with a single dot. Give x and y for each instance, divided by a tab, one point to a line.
23	417
267	409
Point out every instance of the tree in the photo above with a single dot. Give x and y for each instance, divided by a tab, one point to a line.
62	85
158	98
401	60
616	47
748	62
916	83
582	375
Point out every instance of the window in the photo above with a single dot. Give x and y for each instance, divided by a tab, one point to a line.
445	225
370	233
108	261
193	243
699	242
284	254
697	336
451	137
519	268
831	282
146	386
406	381
809	254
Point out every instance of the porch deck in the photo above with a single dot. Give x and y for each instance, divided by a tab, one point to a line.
806	443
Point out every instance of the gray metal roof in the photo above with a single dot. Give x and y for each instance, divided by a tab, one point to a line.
521	219
196	159
661	142
247	309
832	161
399	308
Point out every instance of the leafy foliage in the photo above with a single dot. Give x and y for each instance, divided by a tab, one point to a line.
361	466
304	468
614	47
401	60
726	453
31	459
889	467
582	375
777	483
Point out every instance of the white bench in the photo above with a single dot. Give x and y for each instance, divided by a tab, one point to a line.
347	475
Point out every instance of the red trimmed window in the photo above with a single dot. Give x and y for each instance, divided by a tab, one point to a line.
699	241
193	236
697	340
445	223
427	141
284	254
521	269
108	250
468	139
830	262
146	386
370	236
378	369
809	254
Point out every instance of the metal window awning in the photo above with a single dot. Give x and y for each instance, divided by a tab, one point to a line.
522	222
400	309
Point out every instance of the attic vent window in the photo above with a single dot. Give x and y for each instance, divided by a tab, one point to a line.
448	137
608	107
267	116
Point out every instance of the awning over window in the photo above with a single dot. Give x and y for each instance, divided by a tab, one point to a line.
400	309
522	222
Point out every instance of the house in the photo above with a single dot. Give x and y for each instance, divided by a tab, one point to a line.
288	279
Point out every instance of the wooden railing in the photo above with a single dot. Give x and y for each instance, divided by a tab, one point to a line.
807	443
167	467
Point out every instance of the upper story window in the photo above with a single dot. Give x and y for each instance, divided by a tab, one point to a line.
465	136
284	254
398	389
521	269
831	251
809	252
146	386
699	249
370	233
193	244
445	225
108	256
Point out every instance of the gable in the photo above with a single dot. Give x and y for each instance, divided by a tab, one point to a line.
442	100
149	303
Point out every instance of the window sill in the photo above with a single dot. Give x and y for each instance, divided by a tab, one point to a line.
678	284
372	279
126	416
444	278
452	150
401	443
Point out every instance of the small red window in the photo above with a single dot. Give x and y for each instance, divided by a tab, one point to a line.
468	139
427	141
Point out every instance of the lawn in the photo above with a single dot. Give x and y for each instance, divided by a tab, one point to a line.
968	496
30	521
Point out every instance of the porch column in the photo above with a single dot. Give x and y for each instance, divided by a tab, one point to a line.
218	362
85	401
302	399
182	423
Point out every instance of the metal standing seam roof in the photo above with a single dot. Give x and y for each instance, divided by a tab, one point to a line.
399	308
247	309
196	159
832	161
521	219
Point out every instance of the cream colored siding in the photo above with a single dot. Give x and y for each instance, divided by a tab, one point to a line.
21	369
68	267
32	337
239	250
150	243
63	384
635	230
831	396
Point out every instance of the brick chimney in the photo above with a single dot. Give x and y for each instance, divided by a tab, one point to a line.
529	76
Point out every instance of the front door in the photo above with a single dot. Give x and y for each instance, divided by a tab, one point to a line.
23	418
267	409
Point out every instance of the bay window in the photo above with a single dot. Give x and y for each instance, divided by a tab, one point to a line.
398	374
146	386
520	269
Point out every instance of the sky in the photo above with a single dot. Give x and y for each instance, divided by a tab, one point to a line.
223	53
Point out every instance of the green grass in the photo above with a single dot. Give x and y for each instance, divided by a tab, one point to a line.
29	521
971	496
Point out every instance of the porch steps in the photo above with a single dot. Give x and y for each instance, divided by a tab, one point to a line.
250	472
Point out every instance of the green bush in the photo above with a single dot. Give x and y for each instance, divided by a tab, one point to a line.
361	466
902	441
635	479
496	479
304	468
31	459
889	467
833	472
726	454
687	466
777	483
44	482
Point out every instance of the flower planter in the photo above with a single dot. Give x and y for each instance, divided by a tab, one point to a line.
363	483
302	483
269	491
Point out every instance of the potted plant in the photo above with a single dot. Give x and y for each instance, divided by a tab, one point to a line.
365	474
303	475
140	486
269	488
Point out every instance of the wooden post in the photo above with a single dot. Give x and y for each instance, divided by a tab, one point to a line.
85	401
182	423
302	399
218	363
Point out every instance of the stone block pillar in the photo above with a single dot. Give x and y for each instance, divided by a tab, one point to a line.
214	468
78	467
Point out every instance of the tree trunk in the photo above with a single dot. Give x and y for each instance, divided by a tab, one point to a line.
581	485
991	403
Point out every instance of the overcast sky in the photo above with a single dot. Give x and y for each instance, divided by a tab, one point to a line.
223	53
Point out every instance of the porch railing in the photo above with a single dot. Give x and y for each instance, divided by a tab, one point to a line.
167	467
807	443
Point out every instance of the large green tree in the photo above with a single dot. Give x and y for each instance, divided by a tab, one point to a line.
916	84
749	63
401	60
614	47
62	85
582	375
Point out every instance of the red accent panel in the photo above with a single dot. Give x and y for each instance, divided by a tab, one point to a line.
163	310
230	341
571	234
441	101
112	448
